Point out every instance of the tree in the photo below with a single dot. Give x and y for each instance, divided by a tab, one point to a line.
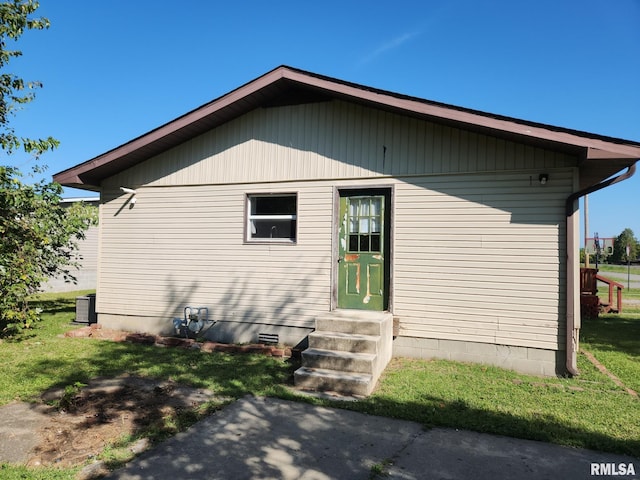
619	254
37	236
14	91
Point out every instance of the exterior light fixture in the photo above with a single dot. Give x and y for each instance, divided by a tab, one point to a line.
543	178
132	192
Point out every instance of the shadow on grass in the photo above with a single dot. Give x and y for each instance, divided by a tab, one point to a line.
226	374
52	305
613	333
433	411
151	413
55	306
237	375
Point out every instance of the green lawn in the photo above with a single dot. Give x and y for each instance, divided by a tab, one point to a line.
605	267
43	358
615	342
589	411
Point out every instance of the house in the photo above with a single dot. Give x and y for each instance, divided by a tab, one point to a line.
86	256
298	201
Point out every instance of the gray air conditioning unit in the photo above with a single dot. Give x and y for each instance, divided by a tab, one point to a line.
86	309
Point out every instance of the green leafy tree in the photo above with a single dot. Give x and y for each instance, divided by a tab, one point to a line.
37	235
15	18
619	254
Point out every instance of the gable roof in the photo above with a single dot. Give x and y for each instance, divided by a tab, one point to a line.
600	156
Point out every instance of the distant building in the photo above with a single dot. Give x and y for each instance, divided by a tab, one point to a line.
87	257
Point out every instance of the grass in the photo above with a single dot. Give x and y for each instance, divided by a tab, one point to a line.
42	358
589	411
615	342
605	267
19	472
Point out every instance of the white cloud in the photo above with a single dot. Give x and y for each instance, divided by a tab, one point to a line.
388	46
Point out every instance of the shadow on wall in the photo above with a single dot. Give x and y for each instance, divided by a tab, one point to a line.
177	297
241	311
86	273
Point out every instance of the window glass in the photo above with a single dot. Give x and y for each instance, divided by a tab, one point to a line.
365	224
272	217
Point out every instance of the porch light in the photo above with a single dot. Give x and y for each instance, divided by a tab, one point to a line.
543	178
132	192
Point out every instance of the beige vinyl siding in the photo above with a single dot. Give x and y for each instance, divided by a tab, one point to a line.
481	258
478	243
476	257
331	140
182	246
85	273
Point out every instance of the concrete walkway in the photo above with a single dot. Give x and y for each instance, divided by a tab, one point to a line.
265	438
19	425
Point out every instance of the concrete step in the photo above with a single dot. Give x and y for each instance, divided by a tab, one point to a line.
347	352
344	342
352	321
341	361
332	380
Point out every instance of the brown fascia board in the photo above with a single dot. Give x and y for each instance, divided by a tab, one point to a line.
91	172
279	81
616	148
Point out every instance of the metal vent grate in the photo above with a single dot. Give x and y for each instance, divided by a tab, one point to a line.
268	338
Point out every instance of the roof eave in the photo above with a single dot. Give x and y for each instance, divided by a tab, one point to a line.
89	174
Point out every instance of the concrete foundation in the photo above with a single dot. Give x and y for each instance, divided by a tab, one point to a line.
528	360
237	332
221	332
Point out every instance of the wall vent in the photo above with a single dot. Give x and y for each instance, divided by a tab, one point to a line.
268	338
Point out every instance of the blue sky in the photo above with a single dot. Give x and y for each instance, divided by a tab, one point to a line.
113	70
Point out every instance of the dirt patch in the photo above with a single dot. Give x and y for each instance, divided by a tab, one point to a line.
96	331
84	419
105	412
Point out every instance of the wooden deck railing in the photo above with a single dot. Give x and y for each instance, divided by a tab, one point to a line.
589	301
618	286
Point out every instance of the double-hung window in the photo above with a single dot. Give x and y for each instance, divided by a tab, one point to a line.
272	217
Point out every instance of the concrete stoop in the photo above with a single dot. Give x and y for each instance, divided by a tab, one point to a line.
347	352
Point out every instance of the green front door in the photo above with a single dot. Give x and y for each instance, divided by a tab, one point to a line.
361	270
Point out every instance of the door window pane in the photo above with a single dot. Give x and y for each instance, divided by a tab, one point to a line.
353	243
364	207
375	243
365	224
353	209
376	203
364	243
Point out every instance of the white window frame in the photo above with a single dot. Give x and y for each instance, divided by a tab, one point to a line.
251	217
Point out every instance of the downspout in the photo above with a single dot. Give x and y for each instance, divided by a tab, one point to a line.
572	331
